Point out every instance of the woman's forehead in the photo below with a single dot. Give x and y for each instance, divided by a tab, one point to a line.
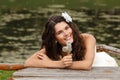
60	26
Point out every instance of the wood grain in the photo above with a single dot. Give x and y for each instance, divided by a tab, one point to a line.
97	73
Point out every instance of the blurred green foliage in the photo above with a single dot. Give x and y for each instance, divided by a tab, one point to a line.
5	74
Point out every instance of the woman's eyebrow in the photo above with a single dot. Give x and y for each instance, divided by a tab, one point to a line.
61	30
66	25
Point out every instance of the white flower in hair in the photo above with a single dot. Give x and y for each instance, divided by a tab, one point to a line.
66	17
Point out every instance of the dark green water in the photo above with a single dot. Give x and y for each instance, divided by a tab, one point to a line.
22	22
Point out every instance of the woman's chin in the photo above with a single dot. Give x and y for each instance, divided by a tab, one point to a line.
71	41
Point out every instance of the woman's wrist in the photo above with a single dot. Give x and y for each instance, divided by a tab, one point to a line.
56	64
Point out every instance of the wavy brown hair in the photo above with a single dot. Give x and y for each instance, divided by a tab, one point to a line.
53	49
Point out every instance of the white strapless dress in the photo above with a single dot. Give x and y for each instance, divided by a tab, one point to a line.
102	59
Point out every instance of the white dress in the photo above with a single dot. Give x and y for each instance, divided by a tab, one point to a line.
102	59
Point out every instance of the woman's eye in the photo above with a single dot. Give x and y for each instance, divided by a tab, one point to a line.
59	32
67	27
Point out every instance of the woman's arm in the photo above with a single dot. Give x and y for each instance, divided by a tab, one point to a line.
40	59
86	64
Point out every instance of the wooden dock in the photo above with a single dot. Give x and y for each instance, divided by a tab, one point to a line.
96	73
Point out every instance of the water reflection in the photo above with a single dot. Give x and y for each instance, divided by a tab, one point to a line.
21	30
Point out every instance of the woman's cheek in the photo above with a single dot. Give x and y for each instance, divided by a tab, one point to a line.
60	39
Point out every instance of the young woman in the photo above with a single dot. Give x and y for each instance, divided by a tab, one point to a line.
58	31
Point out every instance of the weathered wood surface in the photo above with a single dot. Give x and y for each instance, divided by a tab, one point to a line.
96	73
106	48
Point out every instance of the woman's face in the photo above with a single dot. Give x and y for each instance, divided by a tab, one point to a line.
63	33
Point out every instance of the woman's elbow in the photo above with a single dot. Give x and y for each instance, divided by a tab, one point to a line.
33	63
27	63
88	67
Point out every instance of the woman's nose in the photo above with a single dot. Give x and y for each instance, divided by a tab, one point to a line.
65	33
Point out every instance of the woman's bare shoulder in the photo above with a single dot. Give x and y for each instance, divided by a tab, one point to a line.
87	36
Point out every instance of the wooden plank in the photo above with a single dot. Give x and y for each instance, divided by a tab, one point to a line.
97	73
11	66
110	49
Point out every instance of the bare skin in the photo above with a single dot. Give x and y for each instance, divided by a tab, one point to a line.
63	34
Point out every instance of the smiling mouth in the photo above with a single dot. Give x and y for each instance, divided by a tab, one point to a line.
68	38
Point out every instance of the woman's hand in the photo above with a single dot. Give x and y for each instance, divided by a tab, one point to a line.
67	60
44	57
45	60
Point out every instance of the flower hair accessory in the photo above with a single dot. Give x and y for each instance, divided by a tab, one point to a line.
66	17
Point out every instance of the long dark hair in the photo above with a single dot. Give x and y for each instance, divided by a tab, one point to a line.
53	49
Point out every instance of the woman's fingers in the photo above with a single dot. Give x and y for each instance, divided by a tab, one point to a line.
69	57
40	56
67	64
67	60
